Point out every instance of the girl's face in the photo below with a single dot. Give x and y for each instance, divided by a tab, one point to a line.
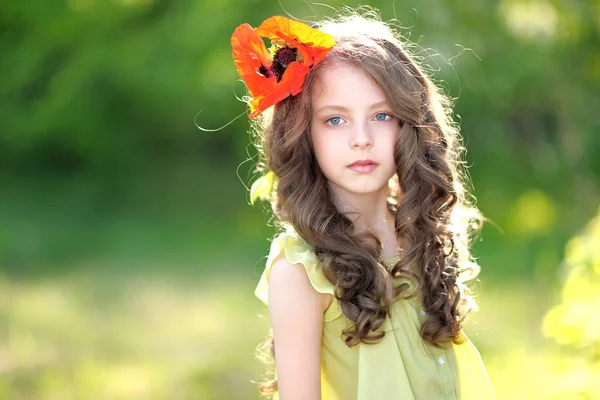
351	122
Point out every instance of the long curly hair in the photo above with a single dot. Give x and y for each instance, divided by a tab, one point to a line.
428	196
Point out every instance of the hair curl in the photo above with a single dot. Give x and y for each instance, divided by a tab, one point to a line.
433	216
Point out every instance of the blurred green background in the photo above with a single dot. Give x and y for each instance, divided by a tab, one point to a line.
128	249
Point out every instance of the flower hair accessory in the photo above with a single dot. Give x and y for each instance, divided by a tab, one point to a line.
274	74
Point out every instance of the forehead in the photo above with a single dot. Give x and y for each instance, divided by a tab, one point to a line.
345	84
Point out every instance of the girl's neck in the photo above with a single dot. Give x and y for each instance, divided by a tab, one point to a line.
369	212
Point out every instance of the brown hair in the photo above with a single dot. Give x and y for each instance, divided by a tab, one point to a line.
434	216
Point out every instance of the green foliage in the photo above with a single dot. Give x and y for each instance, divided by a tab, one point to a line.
99	102
575	322
111	336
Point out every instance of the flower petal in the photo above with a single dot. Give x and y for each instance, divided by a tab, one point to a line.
254	62
249	54
290	84
294	77
313	44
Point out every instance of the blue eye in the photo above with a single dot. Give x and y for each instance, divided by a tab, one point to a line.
335	121
383	117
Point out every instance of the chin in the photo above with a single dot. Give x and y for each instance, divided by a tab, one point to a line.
358	188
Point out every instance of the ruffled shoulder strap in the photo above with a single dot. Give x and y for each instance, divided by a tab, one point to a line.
297	251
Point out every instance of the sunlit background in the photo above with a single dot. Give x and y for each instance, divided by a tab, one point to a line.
129	252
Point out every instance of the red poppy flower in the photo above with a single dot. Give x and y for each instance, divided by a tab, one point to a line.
273	75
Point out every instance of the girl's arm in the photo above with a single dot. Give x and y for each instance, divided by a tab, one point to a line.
296	313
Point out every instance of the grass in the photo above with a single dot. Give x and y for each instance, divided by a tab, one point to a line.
94	335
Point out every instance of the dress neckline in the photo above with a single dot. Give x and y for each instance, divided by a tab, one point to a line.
391	260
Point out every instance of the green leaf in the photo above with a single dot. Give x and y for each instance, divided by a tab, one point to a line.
262	187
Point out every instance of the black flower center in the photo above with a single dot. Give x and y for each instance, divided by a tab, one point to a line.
283	57
264	71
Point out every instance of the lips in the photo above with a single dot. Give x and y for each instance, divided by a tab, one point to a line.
363	163
363	166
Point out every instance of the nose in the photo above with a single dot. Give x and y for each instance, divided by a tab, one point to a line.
361	137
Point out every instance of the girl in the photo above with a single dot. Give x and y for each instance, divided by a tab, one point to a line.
365	283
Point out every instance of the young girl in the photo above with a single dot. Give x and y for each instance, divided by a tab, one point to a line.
362	165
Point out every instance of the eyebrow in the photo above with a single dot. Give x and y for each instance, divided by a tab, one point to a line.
342	108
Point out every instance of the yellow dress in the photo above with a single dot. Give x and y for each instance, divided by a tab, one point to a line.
401	366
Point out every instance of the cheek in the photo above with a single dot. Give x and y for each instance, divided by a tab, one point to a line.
323	143
328	154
